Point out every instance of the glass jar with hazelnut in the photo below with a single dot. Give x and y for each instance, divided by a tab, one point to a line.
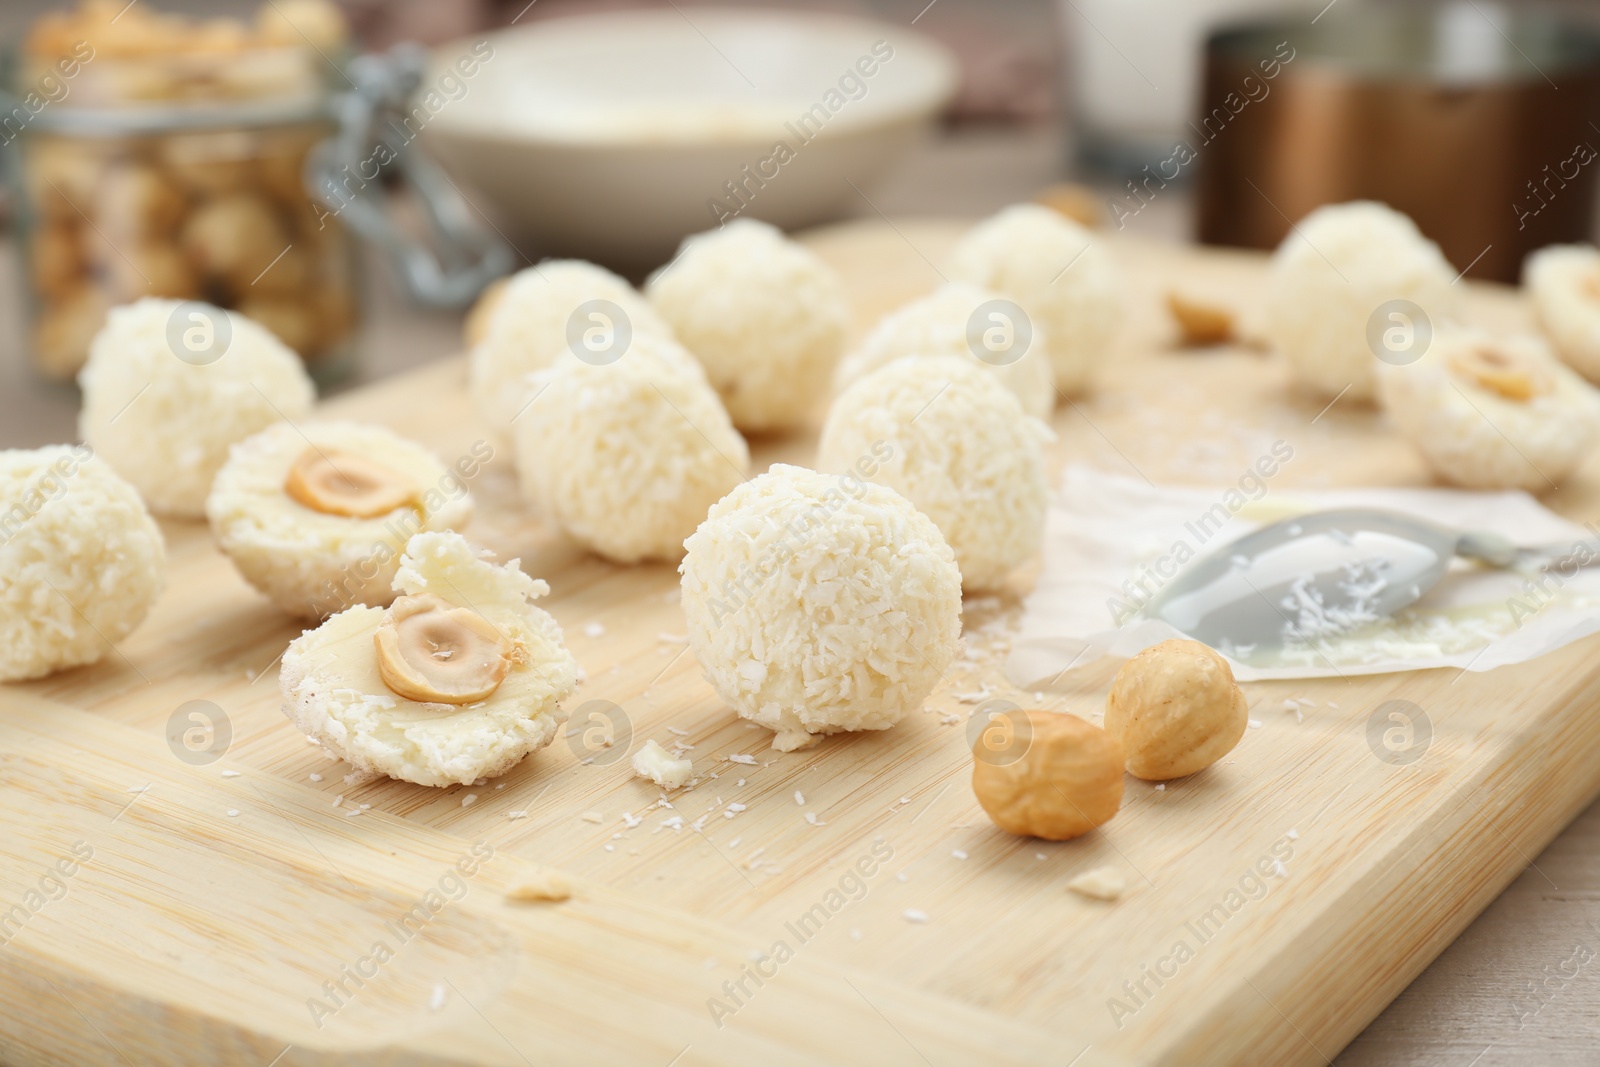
161	156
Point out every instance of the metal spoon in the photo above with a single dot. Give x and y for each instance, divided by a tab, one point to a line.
1325	574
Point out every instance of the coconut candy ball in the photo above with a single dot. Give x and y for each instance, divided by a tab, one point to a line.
762	314
1063	279
316	515
170	385
559	308
628	457
952	440
81	561
820	603
958	319
1330	290
1564	282
1493	412
457	680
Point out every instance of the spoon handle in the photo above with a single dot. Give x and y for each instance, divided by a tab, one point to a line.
1568	556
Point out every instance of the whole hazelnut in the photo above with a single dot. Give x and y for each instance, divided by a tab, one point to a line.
137	201
1176	709
290	321
297	22
1044	774
235	237
214	162
156	268
64	328
60	175
288	275
56	254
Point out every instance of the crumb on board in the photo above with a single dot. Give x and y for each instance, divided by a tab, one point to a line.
1100	883
540	885
659	766
1201	322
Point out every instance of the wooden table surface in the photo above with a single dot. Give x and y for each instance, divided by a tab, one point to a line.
1519	985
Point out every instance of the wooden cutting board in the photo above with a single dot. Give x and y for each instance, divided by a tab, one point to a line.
216	912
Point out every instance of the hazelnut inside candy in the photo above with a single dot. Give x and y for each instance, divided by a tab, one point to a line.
1591	285
431	651
335	482
1502	372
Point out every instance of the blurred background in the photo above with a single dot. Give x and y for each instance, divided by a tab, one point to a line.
1474	116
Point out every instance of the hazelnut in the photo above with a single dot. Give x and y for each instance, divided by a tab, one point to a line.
281	171
336	482
219	35
293	322
64	328
288	275
52	35
1200	322
152	269
318	23
235	237
1502	372
56	255
138	201
212	163
61	175
433	652
336	315
1176	709
1047	775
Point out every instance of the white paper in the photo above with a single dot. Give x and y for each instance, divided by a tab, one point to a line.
1104	530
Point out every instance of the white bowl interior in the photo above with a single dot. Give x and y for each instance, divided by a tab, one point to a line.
695	74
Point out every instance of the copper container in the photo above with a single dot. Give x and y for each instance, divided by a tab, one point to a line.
1472	119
